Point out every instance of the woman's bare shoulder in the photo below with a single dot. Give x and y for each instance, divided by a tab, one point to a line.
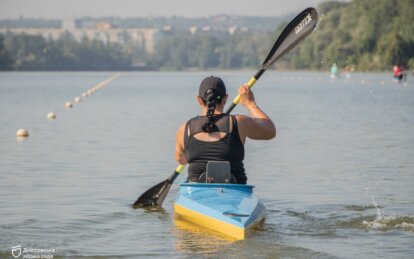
242	119
181	128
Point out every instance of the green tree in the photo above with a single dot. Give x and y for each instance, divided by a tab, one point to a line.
5	59
367	34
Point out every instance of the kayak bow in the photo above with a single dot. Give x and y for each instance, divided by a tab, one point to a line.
231	209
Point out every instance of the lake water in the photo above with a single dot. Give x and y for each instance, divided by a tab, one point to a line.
337	182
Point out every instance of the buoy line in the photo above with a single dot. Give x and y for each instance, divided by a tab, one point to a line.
24	133
95	88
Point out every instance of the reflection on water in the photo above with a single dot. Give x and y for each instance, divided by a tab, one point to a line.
194	239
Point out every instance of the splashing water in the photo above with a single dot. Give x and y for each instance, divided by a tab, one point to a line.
385	223
380	213
377	222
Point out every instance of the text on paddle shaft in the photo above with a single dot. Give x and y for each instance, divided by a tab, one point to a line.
303	24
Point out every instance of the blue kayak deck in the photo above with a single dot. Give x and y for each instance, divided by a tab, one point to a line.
222	207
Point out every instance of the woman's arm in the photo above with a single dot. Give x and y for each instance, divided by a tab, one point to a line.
179	146
259	125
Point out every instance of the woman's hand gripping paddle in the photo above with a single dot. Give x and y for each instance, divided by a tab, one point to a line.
298	29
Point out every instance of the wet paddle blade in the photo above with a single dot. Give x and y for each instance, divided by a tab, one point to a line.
155	196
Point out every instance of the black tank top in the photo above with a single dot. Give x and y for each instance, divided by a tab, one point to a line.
229	148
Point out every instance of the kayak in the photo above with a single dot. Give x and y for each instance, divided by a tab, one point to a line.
230	209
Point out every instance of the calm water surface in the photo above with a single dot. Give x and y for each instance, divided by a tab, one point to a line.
338	181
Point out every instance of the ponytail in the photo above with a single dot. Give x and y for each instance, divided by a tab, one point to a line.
211	100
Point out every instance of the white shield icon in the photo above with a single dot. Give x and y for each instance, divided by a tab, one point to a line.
16	251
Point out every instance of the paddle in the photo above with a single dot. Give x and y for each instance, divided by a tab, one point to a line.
300	27
155	196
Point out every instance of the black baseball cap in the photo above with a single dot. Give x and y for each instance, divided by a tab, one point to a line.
212	82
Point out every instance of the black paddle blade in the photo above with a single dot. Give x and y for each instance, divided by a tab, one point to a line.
154	196
300	27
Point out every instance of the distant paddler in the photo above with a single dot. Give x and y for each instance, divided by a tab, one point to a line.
334	71
399	73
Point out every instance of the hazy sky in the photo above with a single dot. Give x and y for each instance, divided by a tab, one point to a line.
145	8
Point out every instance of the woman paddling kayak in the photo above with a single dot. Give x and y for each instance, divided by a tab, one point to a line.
215	136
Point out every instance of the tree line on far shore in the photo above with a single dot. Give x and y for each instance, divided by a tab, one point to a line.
178	52
366	35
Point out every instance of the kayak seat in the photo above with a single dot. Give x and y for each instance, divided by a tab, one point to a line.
217	172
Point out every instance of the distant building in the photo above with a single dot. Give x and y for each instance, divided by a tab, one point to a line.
167	28
232	29
244	29
104	26
68	24
193	29
103	31
206	28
